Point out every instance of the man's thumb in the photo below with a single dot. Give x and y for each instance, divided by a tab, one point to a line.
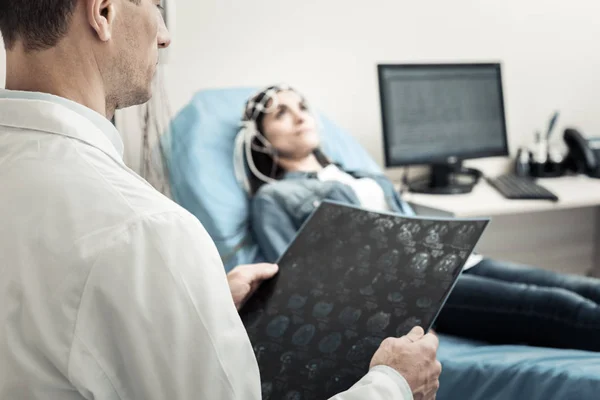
415	334
264	271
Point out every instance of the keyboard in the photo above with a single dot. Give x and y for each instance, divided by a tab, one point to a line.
521	188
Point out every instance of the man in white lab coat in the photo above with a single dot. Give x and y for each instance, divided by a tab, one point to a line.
108	290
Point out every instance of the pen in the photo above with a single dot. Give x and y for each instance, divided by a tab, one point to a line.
552	124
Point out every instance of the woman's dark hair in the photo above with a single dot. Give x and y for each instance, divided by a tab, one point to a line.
265	162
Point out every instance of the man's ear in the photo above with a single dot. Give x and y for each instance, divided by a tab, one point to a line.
101	15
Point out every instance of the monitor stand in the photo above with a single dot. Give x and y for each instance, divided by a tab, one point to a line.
447	178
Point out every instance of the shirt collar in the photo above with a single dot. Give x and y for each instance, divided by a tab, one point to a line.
309	175
101	122
298	175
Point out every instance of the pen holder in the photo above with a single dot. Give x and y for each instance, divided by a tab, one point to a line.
546	170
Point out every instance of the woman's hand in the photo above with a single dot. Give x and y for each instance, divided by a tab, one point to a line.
245	279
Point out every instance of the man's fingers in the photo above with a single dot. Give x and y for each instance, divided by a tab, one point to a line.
438	368
415	334
431	340
255	273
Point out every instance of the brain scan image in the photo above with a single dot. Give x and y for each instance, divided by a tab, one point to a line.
254	318
267	390
338	263
286	360
278	326
295	265
296	302
400	312
463	235
260	350
435	233
395	298
271	312
380	232
349	316
356	237
361	218
465	230
314	366
320	274
322	309
329	231
363	271
437	253
419	263
330	343
314	237
378	322
408	231
424	302
407	325
363	256
445	284
418	283
367	290
293	395
350	335
311	259
363	350
380	237
389	260
409	250
384	224
446	266
433	237
405	234
331	214
347	282
304	335
338	245
336	383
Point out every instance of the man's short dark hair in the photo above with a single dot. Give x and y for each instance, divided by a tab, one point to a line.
39	24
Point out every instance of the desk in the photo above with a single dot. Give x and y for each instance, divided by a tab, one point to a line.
562	236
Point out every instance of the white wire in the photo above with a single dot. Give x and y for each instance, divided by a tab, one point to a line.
255	171
238	160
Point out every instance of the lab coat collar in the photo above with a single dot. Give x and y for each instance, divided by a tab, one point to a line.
56	115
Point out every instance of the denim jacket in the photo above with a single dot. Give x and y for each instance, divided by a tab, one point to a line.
279	209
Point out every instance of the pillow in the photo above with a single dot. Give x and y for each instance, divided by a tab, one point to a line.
199	155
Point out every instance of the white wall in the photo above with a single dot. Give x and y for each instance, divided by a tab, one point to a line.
329	50
2	64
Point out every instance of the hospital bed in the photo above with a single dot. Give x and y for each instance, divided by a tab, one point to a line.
199	149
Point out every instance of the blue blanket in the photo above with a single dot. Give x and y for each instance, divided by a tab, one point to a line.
479	371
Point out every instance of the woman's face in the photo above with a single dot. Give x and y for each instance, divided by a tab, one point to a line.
290	128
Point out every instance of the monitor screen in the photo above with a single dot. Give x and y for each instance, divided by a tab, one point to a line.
432	113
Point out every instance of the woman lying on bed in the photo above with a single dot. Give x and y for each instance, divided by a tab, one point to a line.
494	301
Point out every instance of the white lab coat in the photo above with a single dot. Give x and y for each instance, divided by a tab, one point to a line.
109	290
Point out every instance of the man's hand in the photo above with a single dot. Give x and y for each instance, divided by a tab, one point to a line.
414	357
244	280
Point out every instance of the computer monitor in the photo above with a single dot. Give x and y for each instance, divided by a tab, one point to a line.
441	114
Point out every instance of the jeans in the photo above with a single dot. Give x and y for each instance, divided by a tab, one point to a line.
505	303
